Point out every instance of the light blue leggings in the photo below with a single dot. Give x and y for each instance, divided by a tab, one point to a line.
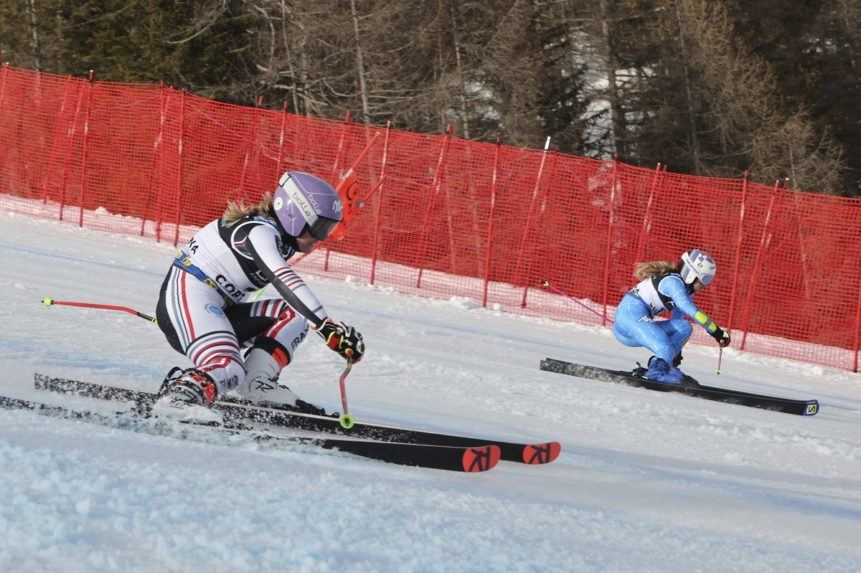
633	327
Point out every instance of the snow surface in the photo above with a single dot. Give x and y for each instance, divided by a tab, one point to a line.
646	481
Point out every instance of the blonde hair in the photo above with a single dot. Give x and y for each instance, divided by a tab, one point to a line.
653	268
237	209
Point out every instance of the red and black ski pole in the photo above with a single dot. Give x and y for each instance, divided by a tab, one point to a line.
48	301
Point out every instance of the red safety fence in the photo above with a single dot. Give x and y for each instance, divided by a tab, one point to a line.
524	230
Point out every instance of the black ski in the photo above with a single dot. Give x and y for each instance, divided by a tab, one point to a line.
453	458
689	387
235	411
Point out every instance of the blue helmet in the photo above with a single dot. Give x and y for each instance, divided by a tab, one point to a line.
304	201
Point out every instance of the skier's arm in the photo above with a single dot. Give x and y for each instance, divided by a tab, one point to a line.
263	247
674	288
340	337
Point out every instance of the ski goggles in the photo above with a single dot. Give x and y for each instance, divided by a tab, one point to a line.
321	228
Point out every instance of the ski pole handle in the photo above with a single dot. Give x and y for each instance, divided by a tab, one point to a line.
345	419
48	301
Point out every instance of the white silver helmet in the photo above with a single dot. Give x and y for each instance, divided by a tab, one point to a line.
697	264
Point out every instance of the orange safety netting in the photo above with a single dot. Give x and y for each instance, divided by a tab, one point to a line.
530	231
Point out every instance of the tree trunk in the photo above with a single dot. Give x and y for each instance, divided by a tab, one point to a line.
692	124
360	65
455	35
616	110
34	35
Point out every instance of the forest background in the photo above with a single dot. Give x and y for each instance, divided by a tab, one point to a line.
706	87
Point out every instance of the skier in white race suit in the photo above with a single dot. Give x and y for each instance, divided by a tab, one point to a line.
667	286
243	346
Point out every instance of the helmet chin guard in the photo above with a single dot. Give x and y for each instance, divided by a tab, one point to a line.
697	264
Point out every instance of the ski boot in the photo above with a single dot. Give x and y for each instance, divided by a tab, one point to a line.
660	371
261	384
266	391
188	395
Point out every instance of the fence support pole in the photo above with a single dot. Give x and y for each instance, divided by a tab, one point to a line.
379	210
610	222
518	266
335	175
489	245
435	185
85	151
57	136
647	216
856	344
155	166
763	243
70	139
179	155
4	71
738	242
547	258
805	276
338	154
281	142
250	147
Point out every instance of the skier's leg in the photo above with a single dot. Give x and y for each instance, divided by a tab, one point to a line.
630	312
633	327
192	317
656	339
679	331
653	337
272	349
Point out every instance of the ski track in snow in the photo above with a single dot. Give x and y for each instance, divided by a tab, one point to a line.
647	482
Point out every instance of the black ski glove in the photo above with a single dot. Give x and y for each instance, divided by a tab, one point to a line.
343	339
721	336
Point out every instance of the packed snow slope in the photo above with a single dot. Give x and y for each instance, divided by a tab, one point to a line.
646	482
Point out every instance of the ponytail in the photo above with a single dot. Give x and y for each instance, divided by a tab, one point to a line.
237	209
653	268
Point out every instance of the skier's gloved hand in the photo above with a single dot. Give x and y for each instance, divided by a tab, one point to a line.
721	336
343	339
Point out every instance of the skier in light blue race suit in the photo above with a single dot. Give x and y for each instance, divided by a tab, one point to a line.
666	287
